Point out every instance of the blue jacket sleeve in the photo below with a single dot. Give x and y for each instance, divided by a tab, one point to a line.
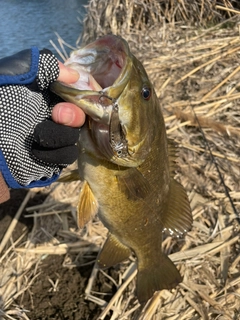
20	68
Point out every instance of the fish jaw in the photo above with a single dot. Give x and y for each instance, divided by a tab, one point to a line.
93	103
104	68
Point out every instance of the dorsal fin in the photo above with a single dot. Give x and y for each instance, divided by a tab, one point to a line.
113	252
87	205
177	218
172	156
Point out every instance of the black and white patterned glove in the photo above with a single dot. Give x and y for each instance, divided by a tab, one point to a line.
33	149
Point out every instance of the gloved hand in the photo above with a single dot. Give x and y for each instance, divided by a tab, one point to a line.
33	148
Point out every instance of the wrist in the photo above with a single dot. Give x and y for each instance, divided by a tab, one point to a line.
4	191
11	182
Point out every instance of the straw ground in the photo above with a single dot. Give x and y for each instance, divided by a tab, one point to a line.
196	75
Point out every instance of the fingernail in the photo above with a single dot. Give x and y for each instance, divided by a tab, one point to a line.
66	114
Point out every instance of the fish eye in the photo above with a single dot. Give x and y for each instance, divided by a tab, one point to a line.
146	93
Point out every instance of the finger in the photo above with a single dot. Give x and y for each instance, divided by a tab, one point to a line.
67	74
51	135
61	156
69	114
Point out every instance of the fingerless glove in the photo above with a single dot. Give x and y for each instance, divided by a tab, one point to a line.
33	149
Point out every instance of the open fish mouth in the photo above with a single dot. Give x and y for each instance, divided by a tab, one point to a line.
100	63
104	67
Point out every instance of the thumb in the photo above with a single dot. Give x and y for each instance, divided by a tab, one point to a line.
67	74
68	114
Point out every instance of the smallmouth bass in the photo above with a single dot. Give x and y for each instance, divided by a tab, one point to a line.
126	162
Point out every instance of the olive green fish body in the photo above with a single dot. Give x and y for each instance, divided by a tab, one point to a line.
127	165
135	220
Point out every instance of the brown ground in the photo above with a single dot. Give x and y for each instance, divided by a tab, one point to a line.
67	300
57	292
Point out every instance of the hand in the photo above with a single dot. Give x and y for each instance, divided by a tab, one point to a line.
34	149
65	112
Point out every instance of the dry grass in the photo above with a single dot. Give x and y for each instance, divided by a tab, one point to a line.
134	16
196	75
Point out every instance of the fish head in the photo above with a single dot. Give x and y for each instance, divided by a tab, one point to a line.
138	108
117	95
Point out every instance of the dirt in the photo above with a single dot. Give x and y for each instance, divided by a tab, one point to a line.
57	292
8	210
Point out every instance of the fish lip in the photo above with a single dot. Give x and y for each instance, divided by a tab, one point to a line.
89	101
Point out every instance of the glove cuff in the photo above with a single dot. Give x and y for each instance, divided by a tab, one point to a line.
12	183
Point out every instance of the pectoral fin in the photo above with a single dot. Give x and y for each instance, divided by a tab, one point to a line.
87	205
133	184
177	218
113	252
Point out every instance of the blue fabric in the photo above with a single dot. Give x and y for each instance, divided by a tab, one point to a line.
25	78
10	181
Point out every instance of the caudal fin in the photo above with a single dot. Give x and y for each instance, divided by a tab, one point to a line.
154	277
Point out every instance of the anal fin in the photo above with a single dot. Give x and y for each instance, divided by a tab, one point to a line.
177	217
113	252
87	205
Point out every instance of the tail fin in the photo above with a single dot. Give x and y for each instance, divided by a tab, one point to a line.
154	277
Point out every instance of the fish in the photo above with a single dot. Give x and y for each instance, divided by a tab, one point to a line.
126	162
